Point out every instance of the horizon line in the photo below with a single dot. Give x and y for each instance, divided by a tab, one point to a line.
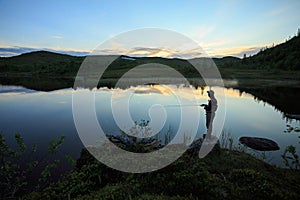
84	54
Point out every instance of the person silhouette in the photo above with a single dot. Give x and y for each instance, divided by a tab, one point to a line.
210	109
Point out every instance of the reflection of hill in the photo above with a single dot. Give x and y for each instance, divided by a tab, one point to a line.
41	84
285	99
46	71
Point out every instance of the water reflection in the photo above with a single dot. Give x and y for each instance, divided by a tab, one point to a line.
42	116
285	99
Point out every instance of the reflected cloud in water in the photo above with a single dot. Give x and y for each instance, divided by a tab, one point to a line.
22	108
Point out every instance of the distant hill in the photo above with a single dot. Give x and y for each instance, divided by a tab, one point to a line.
285	56
227	61
41	62
48	63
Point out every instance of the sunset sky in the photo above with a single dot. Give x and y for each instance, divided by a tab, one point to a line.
221	28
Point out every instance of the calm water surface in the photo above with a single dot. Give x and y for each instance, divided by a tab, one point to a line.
43	116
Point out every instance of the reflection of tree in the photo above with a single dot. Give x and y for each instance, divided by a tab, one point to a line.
285	99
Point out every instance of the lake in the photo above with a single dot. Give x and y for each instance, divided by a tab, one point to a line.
42	116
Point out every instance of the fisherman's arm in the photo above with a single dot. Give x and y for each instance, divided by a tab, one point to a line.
204	106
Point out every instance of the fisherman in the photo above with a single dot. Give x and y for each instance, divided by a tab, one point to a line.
210	109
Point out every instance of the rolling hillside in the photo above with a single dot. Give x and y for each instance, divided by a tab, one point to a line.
40	62
285	56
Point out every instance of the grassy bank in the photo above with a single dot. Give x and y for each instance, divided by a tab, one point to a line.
223	174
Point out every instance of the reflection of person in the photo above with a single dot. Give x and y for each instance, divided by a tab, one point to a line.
210	109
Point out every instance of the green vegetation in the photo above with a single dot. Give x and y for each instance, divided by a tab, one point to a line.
21	171
284	56
223	174
40	63
227	172
291	158
280	62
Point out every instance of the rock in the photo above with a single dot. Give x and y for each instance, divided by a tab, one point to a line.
260	144
119	139
128	140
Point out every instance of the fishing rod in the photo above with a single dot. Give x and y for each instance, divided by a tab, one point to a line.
178	105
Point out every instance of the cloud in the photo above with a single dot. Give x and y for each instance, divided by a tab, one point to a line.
6	51
69	52
209	48
212	49
202	32
278	11
14	90
165	52
7	54
16	50
13	51
57	37
147	91
213	44
113	51
151	52
237	51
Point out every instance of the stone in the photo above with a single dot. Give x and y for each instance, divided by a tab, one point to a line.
260	144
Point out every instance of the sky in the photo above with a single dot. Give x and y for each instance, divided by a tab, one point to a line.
220	28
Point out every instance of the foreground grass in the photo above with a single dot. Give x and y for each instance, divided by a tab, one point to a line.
223	174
